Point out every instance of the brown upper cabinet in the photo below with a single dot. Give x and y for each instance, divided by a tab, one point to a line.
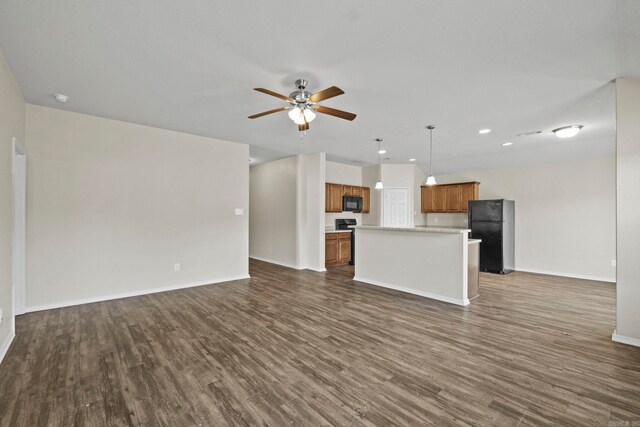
334	192
449	197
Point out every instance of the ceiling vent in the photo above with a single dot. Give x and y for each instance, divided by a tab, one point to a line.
535	132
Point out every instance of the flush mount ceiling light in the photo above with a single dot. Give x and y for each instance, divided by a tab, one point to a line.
379	185
431	180
506	144
567	131
412	160
60	97
484	131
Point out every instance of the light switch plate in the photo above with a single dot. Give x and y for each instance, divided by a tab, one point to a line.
239	211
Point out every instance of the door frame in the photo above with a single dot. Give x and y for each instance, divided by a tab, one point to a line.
384	198
18	249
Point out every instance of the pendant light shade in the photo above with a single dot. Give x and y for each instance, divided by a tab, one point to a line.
431	180
379	185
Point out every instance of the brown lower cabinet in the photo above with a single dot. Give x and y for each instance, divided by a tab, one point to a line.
337	249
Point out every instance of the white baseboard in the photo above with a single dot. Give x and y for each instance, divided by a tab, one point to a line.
272	261
6	344
625	340
573	276
131	294
319	270
443	298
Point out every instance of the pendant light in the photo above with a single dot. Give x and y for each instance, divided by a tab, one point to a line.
379	185
431	180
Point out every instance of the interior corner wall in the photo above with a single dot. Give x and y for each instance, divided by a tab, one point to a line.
370	175
419	179
273	217
628	209
339	173
12	124
310	211
113	206
565	214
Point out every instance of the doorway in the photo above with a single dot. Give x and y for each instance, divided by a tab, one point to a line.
396	207
19	244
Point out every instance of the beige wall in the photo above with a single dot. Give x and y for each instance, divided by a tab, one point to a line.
12	124
339	173
565	214
112	206
628	208
273	212
287	208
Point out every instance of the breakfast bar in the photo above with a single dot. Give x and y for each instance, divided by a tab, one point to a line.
427	261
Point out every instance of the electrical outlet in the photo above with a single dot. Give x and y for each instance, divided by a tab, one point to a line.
239	211
176	266
435	220
613	263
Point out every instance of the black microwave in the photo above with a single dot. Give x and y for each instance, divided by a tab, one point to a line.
351	204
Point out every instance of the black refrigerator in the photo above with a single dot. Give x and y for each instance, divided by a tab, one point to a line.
493	222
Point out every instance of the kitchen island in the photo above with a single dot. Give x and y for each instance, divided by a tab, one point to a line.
427	261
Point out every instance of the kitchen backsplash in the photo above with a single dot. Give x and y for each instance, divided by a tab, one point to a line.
447	219
330	218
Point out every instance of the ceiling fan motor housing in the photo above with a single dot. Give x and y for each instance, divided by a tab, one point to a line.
300	96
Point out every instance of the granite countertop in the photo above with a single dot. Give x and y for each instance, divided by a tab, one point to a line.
450	230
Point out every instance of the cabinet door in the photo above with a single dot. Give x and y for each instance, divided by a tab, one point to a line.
469	192
331	249
454	198
426	199
356	191
439	198
366	199
333	198
344	250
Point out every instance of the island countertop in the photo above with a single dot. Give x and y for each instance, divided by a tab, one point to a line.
415	229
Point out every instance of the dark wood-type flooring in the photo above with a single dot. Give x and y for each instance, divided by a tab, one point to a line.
294	347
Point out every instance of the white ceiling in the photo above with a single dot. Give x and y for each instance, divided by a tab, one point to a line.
512	66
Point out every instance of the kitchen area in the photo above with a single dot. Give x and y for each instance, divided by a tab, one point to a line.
442	262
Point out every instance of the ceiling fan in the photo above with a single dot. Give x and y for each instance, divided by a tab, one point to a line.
303	105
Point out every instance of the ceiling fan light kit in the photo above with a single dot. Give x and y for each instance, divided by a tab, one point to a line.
303	105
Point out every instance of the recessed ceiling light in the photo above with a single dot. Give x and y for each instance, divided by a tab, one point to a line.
484	131
60	97
382	151
412	160
506	144
567	131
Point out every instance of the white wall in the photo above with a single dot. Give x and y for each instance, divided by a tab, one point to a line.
287	204
113	205
311	189
273	212
565	214
12	124
338	173
628	209
369	177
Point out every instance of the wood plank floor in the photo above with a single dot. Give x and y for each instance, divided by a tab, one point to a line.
294	347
